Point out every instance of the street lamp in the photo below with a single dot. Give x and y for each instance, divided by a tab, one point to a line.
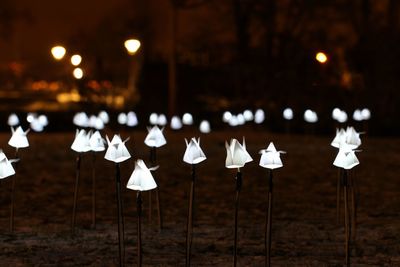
321	57
78	73
76	60
132	46
58	52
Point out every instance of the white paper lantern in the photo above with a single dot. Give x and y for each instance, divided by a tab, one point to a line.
155	137
162	120
226	116
187	119
19	138
6	169
153	119
81	142
270	157
193	153
288	114
122	118
132	119
117	151
141	178
13	120
366	114
103	115
259	116
357	116
205	127
236	154
96	142
176	123
248	115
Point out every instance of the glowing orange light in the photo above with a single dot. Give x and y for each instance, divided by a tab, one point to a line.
58	52
132	46
321	57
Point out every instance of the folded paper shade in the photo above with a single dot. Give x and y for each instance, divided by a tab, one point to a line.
270	158
36	126
96	142
339	138
18	138
366	114
6	169
310	116
81	119
259	116
193	154
353	138
103	115
236	154
226	116
233	121
13	120
141	178
153	119
346	157
43	120
122	118
155	137
248	115
117	151
81	142
240	119
357	116
162	120
288	114
336	113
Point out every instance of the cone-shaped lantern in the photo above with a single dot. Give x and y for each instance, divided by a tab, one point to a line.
141	178
18	138
117	151
6	169
155	137
236	154
270	157
96	142
193	154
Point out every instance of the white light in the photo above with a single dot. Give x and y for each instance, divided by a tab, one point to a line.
43	120
141	178
236	154
155	137
19	138
342	118
76	60
248	115
226	117
259	116
117	151
366	114
176	123
78	73
132	119
310	116
153	119
13	120
31	117
193	153
205	127
132	46
271	158
98	124
187	119
122	118
357	116
103	115
233	121
81	119
240	119
162	120
336	113
288	114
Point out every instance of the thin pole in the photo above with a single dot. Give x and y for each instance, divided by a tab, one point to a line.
93	190
268	223
189	231
238	189
78	167
121	244
13	182
152	164
353	205
139	229
346	218
159	211
338	193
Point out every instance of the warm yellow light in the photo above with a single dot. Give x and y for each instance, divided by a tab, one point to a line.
321	57
58	52
132	46
78	73
76	60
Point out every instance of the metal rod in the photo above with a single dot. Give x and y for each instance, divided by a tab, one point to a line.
139	227
93	190
238	189
121	243
189	229
346	218
268	225
78	167
159	211
13	182
353	206
338	194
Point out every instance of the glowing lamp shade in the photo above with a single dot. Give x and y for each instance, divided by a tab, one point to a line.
96	142
36	126
366	114
58	52
13	120
153	119
236	154
353	139
117	151
357	116
226	116
131	119
259	116
78	73
205	127
81	119
81	142
310	116
248	115
271	158
240	119
288	114
103	115
336	113
31	116
340	137
76	60
187	119
155	137
122	118
6	169
141	178
233	121
18	138
193	154
321	57
132	46
176	123
162	120
43	120
342	118
98	123
346	157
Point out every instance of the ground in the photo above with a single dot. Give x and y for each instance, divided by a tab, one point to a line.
304	230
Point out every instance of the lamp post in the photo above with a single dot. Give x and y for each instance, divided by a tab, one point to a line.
132	46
